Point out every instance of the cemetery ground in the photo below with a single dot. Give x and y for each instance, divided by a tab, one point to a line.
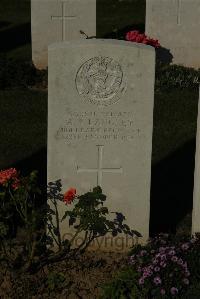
23	102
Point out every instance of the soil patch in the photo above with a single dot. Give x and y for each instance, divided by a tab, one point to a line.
71	279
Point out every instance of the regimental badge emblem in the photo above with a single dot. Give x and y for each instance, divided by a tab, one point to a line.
100	80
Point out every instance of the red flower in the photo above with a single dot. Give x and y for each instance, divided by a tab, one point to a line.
153	42
9	175
140	38
69	196
16	184
131	35
135	36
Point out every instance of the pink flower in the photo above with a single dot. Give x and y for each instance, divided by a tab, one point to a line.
184	265
155	261
163	257
174	291
187	273
162	291
180	262
147	272
174	258
141	280
157	269
185	246
172	252
132	260
163	264
143	252
186	281
162	249
157	280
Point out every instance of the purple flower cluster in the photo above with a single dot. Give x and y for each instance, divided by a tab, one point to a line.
163	266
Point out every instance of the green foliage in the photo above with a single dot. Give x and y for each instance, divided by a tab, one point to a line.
41	226
88	218
124	286
167	267
193	292
55	281
176	76
18	73
18	201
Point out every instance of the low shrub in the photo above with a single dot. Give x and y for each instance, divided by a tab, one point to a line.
164	268
167	76
23	74
176	76
42	243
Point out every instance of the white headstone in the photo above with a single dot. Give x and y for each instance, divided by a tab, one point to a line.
101	96
196	197
176	24
56	20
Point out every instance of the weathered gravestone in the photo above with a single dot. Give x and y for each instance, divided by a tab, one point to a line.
101	96
176	24
56	20
196	199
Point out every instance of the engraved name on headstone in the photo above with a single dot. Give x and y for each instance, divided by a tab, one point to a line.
101	95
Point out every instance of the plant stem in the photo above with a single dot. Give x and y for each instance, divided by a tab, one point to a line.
58	226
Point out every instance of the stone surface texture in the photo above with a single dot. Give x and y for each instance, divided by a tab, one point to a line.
55	20
176	24
100	120
196	199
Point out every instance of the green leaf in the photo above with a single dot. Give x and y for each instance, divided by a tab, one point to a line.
114	232
136	233
72	220
56	231
97	190
67	213
103	210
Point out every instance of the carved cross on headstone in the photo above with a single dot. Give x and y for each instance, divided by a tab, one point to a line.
63	18
178	12
100	170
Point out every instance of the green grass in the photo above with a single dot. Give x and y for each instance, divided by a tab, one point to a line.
23	124
14	12
20	53
175	117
